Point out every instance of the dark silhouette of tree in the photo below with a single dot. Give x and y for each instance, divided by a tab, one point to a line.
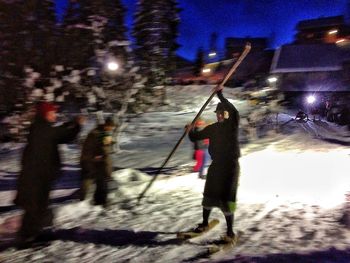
75	36
13	53
199	62
213	47
155	31
41	34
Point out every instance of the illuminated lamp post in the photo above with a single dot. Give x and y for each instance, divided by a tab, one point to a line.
272	80
206	73
311	100
112	66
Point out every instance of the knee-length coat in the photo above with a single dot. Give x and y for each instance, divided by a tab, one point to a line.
41	162
223	173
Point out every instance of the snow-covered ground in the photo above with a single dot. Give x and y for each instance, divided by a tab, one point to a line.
291	195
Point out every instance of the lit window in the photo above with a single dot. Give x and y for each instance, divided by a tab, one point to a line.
333	32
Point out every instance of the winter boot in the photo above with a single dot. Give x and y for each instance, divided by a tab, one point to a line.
201	228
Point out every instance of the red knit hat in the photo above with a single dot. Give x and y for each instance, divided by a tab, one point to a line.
199	123
44	107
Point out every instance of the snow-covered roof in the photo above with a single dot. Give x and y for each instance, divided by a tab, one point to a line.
309	58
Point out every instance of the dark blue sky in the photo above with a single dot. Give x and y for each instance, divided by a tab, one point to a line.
240	18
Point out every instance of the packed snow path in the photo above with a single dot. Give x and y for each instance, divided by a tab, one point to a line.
291	198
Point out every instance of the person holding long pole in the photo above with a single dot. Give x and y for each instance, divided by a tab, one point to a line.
220	86
222	179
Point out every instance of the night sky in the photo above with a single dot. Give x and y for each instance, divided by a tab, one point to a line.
240	18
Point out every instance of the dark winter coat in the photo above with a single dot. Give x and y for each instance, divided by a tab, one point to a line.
222	177
95	145
41	162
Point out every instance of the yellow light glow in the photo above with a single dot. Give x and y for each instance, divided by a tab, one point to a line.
340	41
206	70
332	32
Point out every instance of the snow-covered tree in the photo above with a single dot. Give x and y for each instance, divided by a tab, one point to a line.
77	36
266	105
28	37
79	81
95	85
155	32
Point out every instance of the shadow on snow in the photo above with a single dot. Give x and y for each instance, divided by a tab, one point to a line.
109	237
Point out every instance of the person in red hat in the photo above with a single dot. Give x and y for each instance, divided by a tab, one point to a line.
222	179
40	167
201	154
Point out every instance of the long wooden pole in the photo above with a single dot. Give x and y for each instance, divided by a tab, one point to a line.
228	75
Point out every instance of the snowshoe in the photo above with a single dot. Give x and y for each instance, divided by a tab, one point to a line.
199	230
225	243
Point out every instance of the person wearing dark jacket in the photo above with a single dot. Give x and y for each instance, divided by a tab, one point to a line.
96	163
222	179
40	167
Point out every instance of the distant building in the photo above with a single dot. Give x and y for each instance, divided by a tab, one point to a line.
255	66
322	30
312	67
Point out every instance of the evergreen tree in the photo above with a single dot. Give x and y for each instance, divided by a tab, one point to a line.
213	47
199	62
12	53
79	36
95	85
41	33
75	35
155	31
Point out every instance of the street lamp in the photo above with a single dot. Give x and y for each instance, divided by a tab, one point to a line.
112	66
311	99
272	80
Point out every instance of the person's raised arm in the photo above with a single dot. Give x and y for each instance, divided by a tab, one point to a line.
233	112
67	132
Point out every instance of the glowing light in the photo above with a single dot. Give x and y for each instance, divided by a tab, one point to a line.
206	70
212	54
340	41
332	32
311	99
112	66
309	177
272	79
